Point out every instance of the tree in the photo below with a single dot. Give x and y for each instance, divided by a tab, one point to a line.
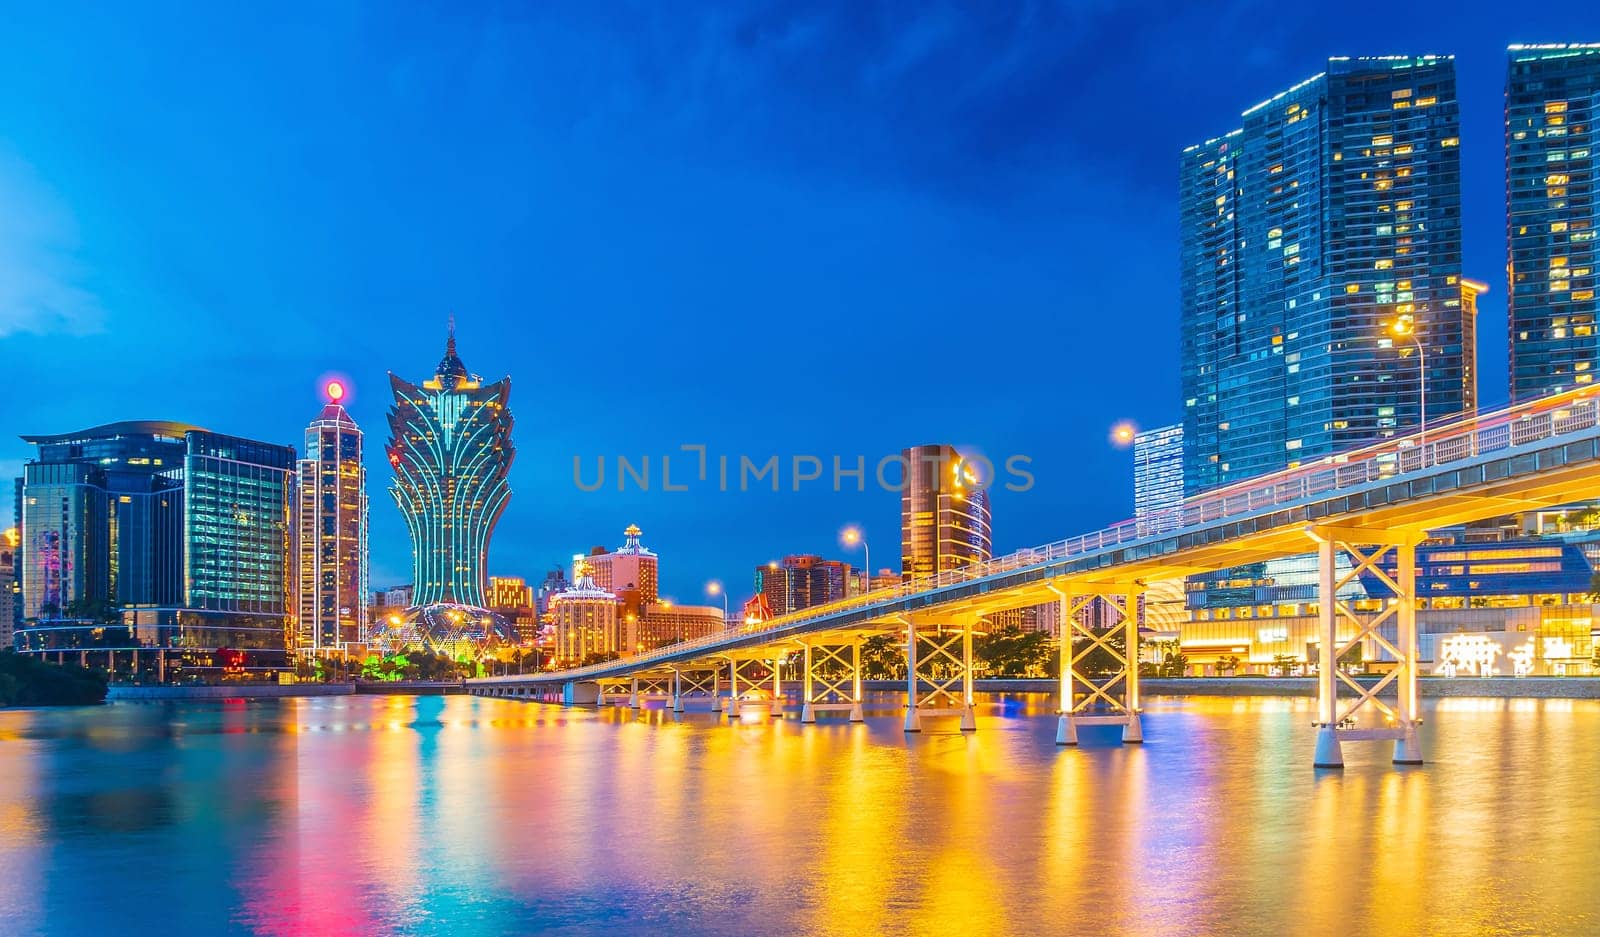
25	680
1284	663
883	658
1013	652
1229	664
1098	661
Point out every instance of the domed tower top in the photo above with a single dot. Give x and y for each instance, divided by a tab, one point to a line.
450	365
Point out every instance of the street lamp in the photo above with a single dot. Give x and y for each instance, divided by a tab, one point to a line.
851	536
714	589
1406	327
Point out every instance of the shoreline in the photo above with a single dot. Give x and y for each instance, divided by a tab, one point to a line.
144	694
1496	687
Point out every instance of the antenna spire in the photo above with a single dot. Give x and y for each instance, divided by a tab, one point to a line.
450	343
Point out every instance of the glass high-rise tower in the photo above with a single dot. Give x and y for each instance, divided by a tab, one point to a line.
153	536
1158	478
1552	159
1332	212
331	523
944	512
450	447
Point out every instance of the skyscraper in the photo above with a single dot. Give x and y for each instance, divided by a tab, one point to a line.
1552	168
450	446
9	539
944	512
157	536
631	566
1158	478
331	524
1331	213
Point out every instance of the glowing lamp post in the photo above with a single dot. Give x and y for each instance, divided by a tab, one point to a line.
1406	327
714	589
851	536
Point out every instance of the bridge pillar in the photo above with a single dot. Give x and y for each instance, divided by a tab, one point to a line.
1102	705
777	688
633	694
830	681
716	690
939	671
677	690
1371	552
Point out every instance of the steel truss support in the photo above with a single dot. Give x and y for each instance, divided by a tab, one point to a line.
1338	719
1111	699
643	688
832	681
939	671
739	672
611	688
691	682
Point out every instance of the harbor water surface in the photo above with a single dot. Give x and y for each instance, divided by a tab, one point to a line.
468	816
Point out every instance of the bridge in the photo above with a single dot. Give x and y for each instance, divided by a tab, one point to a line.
1372	505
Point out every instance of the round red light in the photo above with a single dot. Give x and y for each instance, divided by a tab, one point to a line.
335	391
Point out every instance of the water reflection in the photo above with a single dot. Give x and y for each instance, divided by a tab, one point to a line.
465	816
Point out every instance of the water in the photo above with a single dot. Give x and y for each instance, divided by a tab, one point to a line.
465	816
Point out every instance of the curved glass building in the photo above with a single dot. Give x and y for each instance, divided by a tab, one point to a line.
450	447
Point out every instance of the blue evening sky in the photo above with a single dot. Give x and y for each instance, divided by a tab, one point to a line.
769	228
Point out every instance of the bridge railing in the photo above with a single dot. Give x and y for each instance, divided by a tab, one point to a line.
1457	441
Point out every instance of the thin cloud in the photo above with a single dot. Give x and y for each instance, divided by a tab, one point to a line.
41	277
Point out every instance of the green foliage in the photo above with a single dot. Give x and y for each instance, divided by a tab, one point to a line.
1284	663
1229	664
1013	652
883	658
414	666
26	680
597	657
1099	661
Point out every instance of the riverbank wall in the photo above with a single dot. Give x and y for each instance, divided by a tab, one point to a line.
136	694
1431	687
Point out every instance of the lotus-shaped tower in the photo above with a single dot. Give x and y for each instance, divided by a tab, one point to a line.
450	447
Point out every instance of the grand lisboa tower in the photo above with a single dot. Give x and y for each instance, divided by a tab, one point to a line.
450	447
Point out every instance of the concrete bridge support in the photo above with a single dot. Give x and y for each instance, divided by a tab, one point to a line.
1372	552
574	693
1111	699
832	681
939	673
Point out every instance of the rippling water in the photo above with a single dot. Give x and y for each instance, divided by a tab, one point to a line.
465	816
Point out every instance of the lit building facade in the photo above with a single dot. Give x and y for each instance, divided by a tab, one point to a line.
802	581
1521	595
630	567
1158	478
450	447
944	512
513	599
331	530
585	620
9	539
1331	212
663	623
158	536
1552	180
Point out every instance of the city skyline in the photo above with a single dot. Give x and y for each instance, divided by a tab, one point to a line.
550	518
